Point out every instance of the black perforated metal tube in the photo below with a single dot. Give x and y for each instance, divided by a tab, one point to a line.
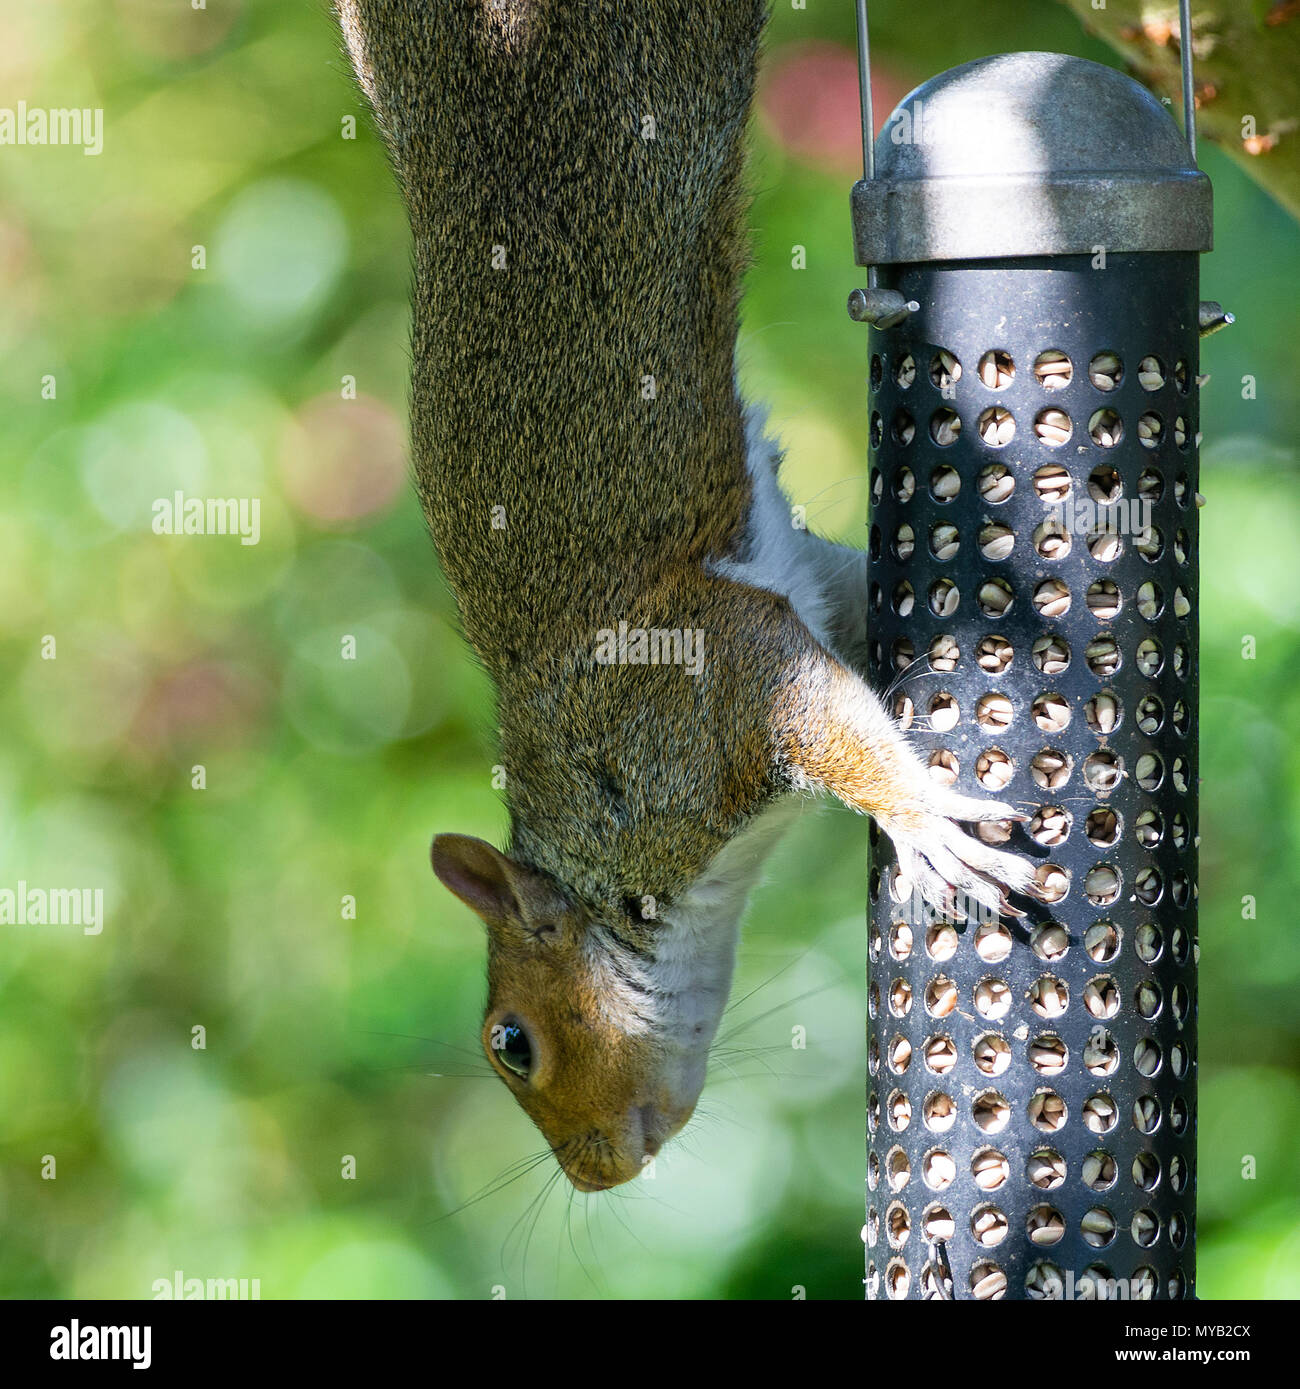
1032	1097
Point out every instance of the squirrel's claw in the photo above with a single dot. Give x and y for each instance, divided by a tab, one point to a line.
940	860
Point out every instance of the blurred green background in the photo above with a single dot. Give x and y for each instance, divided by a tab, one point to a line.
330	1036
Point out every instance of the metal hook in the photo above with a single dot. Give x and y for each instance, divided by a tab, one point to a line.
1189	87
864	94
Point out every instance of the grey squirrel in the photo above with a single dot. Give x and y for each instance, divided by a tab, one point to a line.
676	662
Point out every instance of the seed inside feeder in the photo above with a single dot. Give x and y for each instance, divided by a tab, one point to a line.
939	1113
993	654
1052	598
904	599
1101	997
1104	599
990	1112
940	996
1147	999
1149	829
993	769
1052	540
1051	654
1150	657
1045	1226
1145	1228
1050	825
1052	882
1051	942
995	483
940	1054
992	1054
944	597
944	653
994	712
1053	427
1051	713
1050	996
1105	371
899	1055
945	369
1052	483
938	1170
993	998
1101	941
900	940
1104	545
994	597
997	370
1099	1171
945	540
944	713
1180	432
941	941
904	485
989	1226
1150	714
945	483
1100	1054
1150	485
900	998
1046	1169
994	832
1105	485
1047	1111
1051	768
996	541
1149	428
1053	369
900	1111
906	372
898	1226
1103	771
904	543
992	942
996	426
899	1169
945	426
1048	1054
944	766
937	1224
990	1169
1148	885
1150	600
1150	771
1106	429
1102	827
987	1282
1097	1227
1151	374
904	710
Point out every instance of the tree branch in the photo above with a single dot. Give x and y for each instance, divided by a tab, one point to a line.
1247	56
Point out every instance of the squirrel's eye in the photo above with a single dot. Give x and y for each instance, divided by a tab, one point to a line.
510	1042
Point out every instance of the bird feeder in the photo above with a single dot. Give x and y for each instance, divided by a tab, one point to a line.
1033	223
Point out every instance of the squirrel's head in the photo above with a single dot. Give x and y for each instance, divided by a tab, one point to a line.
599	1027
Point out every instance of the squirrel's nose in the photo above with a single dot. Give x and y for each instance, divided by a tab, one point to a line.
652	1135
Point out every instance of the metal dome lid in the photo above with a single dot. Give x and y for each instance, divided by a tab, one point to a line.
1029	154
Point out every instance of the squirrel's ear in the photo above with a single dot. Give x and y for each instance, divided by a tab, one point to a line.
476	873
493	885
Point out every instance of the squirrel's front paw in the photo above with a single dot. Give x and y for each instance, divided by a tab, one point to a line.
940	860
